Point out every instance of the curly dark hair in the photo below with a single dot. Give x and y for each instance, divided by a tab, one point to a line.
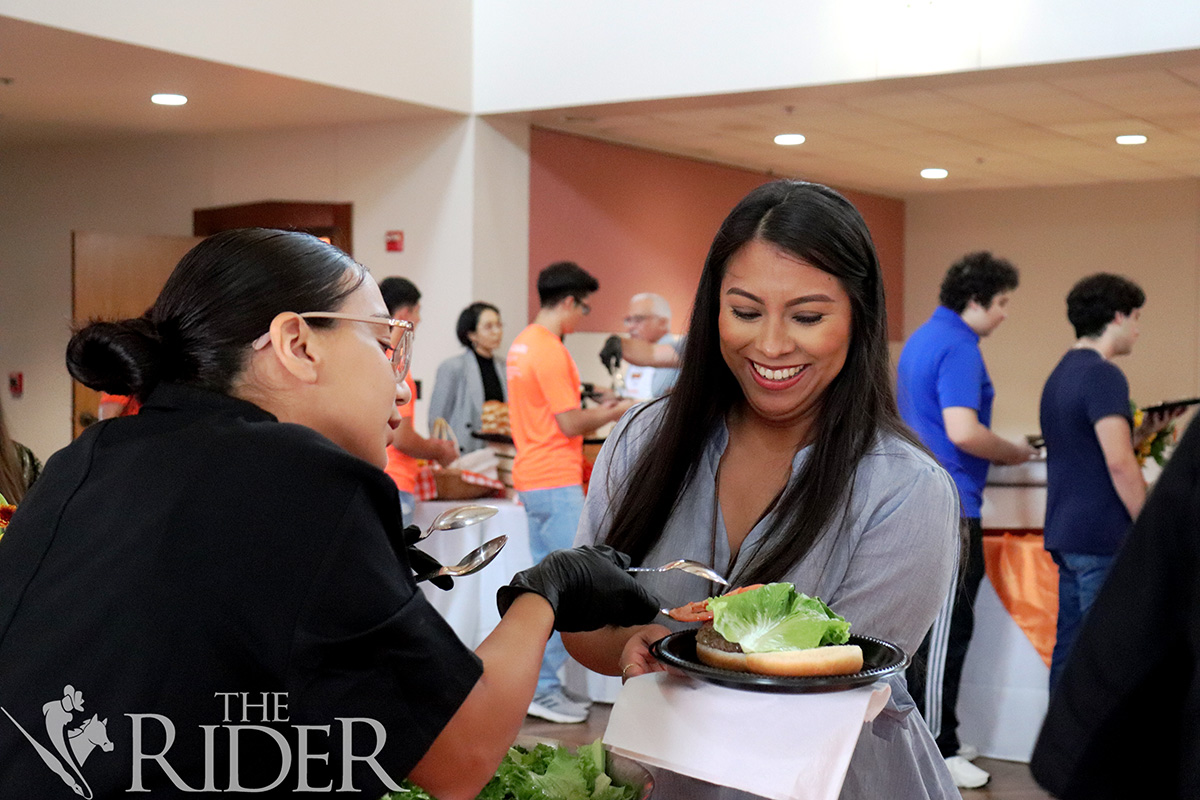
979	277
1094	301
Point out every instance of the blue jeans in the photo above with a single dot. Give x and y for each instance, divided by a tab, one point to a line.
1080	577
553	519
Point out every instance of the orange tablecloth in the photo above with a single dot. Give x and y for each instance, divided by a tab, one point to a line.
1026	580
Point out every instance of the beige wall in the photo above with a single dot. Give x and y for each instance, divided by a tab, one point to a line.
431	178
458	187
1149	232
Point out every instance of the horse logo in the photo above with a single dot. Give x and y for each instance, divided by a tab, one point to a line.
72	746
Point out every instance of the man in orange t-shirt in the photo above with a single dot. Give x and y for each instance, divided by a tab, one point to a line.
117	405
404	302
548	423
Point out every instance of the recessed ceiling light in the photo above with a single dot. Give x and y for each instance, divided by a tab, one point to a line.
1132	138
168	99
934	173
789	138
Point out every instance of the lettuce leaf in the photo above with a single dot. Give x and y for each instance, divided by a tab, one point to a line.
777	617
563	779
545	772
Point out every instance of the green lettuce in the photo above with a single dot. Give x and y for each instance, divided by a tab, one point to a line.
777	617
544	772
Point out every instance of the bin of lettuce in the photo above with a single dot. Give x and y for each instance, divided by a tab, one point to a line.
545	771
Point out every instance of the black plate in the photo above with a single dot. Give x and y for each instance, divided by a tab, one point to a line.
1171	405
880	659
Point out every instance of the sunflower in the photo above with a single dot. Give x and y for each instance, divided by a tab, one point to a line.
1155	445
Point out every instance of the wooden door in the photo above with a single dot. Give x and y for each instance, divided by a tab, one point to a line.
328	221
116	276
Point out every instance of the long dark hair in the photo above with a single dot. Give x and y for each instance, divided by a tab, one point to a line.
221	296
818	225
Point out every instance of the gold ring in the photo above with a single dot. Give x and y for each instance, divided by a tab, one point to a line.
625	669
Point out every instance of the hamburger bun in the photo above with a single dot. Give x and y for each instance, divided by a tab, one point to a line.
715	650
830	659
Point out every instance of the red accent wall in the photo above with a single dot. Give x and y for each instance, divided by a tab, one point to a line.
642	221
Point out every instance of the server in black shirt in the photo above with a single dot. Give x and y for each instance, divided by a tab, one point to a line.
215	595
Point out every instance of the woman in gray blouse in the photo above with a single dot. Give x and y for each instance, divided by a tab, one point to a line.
780	456
465	381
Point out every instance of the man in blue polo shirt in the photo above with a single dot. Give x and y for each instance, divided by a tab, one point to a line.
945	396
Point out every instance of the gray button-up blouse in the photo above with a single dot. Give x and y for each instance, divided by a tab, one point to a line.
886	564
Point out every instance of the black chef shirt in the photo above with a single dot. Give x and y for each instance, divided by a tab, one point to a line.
193	562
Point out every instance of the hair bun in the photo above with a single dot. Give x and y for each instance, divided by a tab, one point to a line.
123	357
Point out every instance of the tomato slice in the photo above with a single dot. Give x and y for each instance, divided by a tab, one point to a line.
697	611
692	612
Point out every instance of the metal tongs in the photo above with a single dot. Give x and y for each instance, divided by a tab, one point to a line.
472	562
687	565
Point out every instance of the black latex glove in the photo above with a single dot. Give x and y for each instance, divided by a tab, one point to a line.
610	354
587	587
421	562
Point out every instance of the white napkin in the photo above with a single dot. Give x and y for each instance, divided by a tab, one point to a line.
783	746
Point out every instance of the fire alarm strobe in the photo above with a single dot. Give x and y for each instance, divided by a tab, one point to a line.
394	241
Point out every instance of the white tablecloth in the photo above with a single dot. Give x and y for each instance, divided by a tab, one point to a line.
470	607
1005	684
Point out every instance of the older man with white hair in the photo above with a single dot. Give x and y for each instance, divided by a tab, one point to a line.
650	348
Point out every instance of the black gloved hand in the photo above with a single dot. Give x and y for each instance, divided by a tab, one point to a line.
587	587
421	562
610	354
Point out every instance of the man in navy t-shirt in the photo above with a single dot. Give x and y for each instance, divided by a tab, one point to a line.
945	396
1094	483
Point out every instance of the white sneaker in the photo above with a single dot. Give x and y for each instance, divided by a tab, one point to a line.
554	706
969	751
966	775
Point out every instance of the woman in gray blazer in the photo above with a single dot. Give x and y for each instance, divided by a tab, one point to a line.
465	381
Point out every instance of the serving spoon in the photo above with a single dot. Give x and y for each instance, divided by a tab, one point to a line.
459	517
473	561
687	565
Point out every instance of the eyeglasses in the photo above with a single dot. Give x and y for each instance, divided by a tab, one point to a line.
584	308
638	319
400	331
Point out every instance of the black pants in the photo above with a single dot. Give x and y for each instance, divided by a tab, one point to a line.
962	625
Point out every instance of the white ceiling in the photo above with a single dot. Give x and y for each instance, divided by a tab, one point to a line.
1035	126
70	87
